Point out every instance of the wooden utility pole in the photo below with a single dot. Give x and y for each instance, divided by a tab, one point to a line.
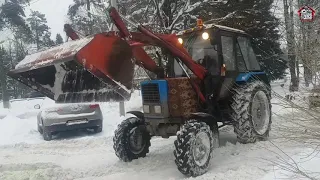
121	104
289	22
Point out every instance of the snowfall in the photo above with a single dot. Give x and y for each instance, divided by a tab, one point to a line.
85	156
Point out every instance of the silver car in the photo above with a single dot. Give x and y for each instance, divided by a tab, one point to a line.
65	117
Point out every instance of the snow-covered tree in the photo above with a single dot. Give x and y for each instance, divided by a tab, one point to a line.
308	43
90	16
162	15
40	30
12	13
59	39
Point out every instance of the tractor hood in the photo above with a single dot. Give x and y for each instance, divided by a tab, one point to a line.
97	68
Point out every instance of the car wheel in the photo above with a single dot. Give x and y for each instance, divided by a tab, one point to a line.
47	136
97	129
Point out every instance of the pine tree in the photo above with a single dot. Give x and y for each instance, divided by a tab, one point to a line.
12	14
47	41
59	39
254	17
40	30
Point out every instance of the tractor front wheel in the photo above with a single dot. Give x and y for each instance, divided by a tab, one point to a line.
193	147
131	140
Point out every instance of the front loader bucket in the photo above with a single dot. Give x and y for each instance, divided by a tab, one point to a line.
97	68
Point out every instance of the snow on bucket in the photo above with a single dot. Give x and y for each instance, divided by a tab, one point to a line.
97	68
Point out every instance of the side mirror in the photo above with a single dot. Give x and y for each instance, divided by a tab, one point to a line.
37	106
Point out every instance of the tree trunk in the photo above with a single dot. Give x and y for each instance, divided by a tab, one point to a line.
37	36
3	82
304	54
90	18
294	86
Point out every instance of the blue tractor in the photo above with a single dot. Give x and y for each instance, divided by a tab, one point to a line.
205	75
235	91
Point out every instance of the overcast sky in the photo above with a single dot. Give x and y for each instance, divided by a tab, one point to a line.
55	11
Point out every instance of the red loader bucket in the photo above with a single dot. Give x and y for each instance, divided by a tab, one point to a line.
98	68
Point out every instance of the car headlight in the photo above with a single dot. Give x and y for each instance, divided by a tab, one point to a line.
146	108
157	109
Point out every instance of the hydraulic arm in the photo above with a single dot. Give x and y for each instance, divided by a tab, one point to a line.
170	42
100	67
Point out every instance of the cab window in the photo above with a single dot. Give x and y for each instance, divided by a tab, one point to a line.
228	52
248	54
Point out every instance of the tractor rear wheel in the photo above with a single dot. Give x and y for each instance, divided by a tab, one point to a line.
251	112
131	140
193	147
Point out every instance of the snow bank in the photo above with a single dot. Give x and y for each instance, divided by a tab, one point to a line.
306	162
14	130
3	113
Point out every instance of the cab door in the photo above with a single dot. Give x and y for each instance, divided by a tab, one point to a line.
228	51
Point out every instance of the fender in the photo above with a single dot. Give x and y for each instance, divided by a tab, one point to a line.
138	114
252	76
202	115
205	117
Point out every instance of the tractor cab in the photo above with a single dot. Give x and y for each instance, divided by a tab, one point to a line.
225	52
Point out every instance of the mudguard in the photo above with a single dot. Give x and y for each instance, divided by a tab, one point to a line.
138	114
205	117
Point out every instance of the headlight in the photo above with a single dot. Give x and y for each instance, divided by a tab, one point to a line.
157	109
180	40
146	109
205	36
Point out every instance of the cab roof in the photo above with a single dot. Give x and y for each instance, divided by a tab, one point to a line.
210	26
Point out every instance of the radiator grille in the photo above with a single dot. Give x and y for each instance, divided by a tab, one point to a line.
150	93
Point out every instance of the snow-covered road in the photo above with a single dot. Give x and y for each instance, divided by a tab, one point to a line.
83	156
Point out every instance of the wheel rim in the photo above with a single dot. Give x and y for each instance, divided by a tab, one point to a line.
136	141
260	111
201	148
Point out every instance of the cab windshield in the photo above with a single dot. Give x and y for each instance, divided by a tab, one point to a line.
201	51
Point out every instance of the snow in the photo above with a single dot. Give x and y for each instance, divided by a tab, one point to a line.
307	160
86	156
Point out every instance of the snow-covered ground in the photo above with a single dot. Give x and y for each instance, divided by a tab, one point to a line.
84	156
